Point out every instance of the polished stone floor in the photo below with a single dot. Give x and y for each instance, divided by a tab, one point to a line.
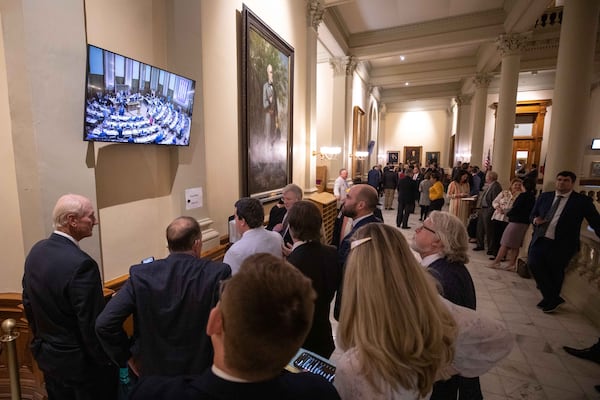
538	367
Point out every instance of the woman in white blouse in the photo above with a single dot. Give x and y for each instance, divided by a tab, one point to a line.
398	335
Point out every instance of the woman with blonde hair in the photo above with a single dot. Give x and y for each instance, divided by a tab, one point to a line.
398	335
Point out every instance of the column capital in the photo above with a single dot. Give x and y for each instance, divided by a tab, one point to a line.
512	43
343	65
482	80
464	99
315	13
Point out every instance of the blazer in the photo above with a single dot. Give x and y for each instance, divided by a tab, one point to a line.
170	300
568	226
62	296
456	282
208	386
407	190
319	262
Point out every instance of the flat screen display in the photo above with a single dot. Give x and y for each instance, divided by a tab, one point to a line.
128	101
596	144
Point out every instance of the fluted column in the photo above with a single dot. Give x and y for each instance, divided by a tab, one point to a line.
341	113
314	18
482	82
510	46
571	89
463	127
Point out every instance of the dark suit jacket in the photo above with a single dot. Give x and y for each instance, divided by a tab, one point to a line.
208	386
319	262
170	300
407	190
455	280
343	251
568	226
62	296
490	193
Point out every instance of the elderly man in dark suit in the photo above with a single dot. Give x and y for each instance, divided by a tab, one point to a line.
442	243
485	230
62	296
170	300
557	218
408	190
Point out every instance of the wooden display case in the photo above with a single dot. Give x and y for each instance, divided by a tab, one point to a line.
327	205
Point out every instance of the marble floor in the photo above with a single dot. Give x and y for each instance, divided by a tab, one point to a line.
538	367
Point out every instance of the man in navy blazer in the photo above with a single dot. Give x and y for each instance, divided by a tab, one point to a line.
170	300
62	296
361	202
556	236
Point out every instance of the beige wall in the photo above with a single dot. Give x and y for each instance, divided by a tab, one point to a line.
428	129
137	189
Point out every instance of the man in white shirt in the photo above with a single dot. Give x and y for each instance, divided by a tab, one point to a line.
340	187
249	218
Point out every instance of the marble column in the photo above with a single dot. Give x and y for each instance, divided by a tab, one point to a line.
314	18
341	112
571	100
463	128
482	82
510	46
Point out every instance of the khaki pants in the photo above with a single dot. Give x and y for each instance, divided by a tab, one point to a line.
389	198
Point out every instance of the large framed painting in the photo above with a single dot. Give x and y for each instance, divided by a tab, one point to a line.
266	106
432	157
595	169
393	157
412	154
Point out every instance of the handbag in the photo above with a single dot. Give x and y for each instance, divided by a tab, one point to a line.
523	268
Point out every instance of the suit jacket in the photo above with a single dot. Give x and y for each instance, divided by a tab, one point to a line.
455	279
568	226
62	296
489	194
170	300
374	178
343	251
319	262
208	386
407	190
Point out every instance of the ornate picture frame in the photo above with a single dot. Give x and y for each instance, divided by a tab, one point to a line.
432	156
267	79
393	157
595	169
412	154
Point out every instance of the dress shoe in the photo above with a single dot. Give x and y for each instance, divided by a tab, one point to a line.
406	227
541	304
551	307
591	353
490	253
478	248
391	208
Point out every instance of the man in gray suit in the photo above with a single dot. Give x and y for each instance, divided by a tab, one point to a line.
484	214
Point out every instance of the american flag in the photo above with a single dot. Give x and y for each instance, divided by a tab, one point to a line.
487	161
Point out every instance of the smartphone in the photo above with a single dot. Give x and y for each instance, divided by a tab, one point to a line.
307	362
147	260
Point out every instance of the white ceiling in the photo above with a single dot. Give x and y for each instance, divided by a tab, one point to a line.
444	43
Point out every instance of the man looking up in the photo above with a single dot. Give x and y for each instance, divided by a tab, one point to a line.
262	318
162	295
360	203
249	217
290	194
62	296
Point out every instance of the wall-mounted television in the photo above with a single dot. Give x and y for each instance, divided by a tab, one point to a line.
128	101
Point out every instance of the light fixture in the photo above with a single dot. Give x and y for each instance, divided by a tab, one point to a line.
406	83
361	155
402	58
329	153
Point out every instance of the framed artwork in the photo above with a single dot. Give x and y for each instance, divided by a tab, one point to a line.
393	157
267	78
595	169
412	154
432	156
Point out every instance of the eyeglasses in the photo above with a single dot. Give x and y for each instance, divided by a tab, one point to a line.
427	229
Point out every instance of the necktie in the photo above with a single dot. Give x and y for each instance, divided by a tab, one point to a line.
551	213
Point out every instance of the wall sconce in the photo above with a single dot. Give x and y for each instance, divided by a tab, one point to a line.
329	153
361	155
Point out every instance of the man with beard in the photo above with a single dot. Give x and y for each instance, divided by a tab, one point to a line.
361	202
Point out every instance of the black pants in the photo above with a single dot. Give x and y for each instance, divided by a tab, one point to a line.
424	211
498	231
404	211
548	263
466	388
101	385
436	204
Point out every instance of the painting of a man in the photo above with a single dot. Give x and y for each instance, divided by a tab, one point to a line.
272	132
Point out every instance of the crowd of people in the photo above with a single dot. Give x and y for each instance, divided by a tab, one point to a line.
408	326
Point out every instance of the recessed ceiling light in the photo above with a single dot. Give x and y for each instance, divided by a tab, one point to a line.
406	83
401	58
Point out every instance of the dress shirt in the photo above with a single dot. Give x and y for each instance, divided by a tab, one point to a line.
68	237
551	230
257	240
428	260
357	220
